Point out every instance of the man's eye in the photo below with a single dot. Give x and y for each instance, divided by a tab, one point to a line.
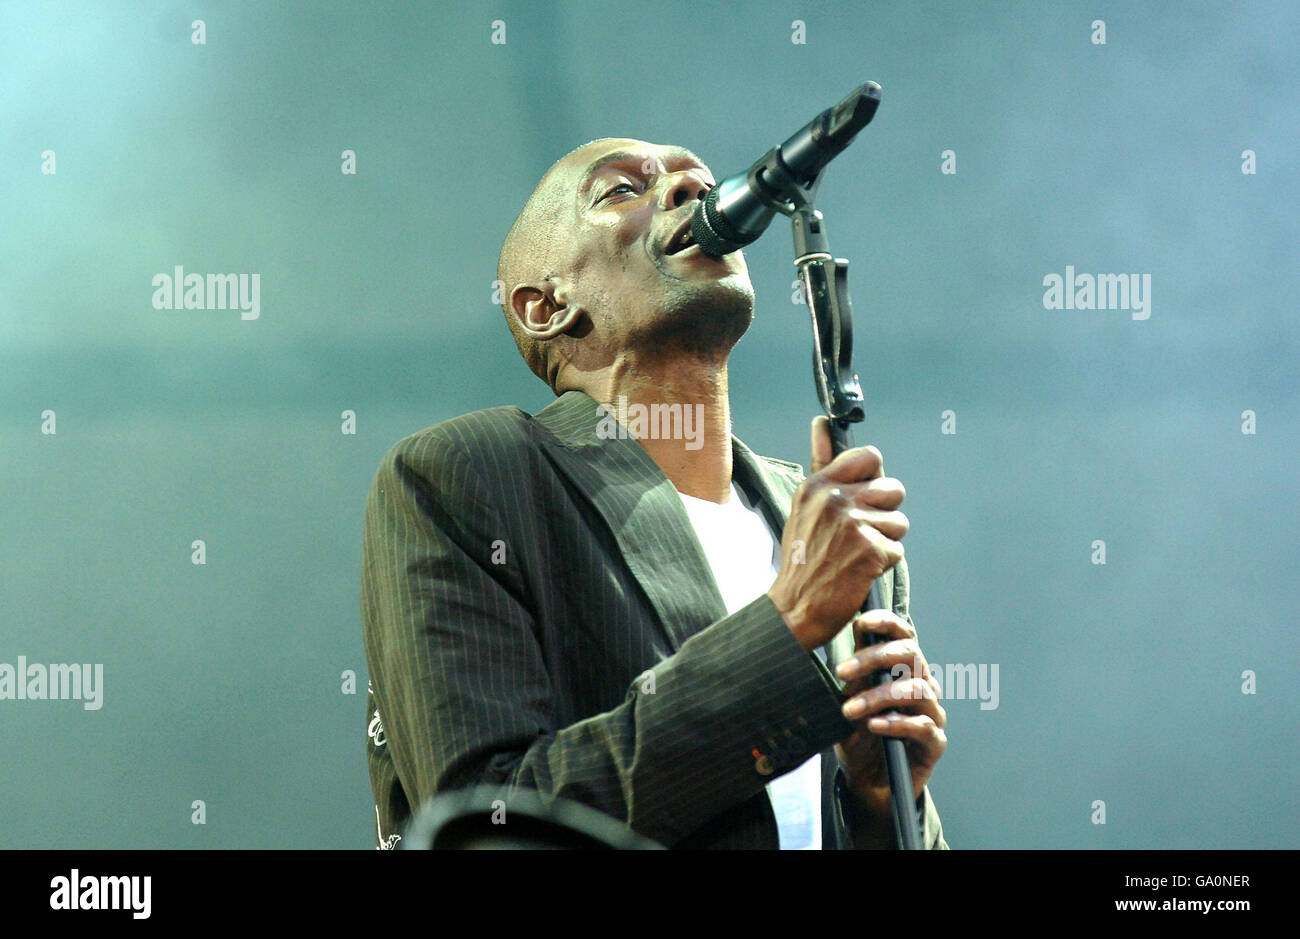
628	186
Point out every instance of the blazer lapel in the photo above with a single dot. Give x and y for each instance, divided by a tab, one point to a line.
642	509
769	486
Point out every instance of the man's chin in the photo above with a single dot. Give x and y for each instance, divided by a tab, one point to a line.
706	318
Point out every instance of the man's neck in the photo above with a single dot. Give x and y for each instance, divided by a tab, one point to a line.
691	444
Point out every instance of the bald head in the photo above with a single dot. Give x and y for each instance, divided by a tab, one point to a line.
535	250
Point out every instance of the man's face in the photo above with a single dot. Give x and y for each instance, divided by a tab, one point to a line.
633	203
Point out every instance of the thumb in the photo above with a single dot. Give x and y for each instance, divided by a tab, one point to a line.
821	442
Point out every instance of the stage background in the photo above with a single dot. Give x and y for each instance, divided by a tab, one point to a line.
223	682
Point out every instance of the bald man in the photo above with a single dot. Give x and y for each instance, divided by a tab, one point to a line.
615	601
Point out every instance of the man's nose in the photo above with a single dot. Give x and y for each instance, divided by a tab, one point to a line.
683	187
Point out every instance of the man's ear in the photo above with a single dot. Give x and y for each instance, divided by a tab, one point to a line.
542	313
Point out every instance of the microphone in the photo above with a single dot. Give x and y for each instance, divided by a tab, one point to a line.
737	210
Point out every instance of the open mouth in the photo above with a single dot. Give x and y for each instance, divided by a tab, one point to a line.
681	239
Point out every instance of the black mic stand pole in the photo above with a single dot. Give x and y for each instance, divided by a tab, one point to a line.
826	291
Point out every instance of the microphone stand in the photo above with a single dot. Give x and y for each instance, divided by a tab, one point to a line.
826	290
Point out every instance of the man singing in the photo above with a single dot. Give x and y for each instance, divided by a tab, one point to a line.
615	601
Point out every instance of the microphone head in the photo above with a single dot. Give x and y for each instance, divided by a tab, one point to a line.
714	232
706	221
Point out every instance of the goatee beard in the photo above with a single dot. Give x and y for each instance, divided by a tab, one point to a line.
704	321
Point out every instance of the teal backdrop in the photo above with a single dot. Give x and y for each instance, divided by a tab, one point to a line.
1160	685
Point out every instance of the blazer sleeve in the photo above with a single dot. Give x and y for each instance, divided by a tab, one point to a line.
926	813
463	687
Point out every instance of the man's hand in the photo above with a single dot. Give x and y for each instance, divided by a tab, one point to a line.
914	693
844	517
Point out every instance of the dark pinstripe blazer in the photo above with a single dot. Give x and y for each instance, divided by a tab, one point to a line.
537	612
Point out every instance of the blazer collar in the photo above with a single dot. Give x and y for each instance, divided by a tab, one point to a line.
644	512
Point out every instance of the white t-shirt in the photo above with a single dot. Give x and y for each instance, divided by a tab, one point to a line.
745	558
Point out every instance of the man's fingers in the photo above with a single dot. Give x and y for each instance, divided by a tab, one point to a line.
919	727
912	695
882	622
892	524
886	655
821	442
883	492
853	465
